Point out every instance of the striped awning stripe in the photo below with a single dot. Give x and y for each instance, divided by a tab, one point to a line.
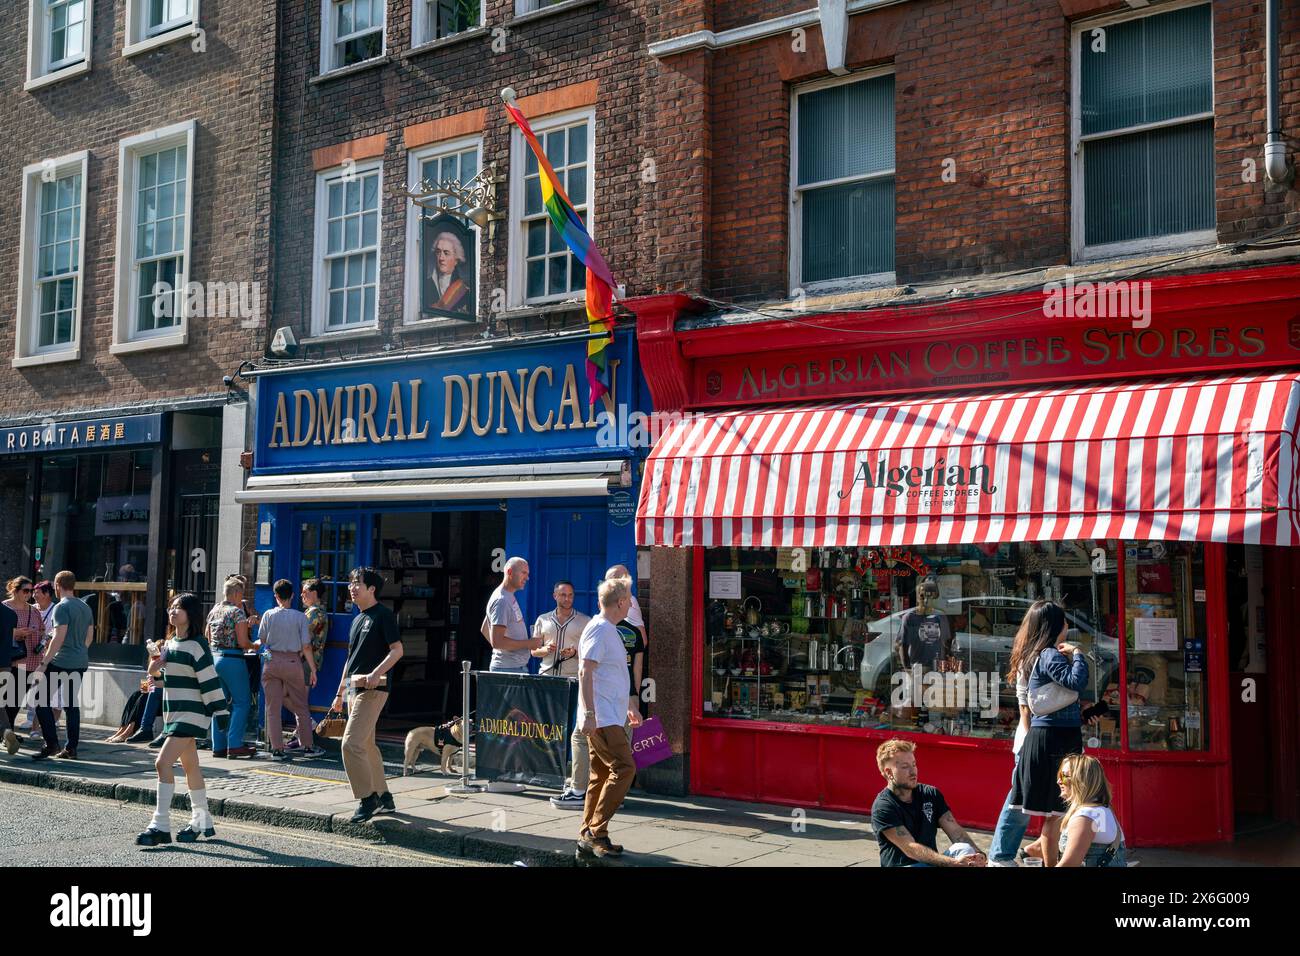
1212	459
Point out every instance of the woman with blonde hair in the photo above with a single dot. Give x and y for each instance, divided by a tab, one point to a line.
1090	834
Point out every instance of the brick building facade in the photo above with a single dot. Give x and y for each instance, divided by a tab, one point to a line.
985	155
137	142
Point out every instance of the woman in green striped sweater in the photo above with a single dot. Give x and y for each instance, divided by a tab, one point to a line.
192	698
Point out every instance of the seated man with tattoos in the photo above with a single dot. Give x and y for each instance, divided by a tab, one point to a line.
908	815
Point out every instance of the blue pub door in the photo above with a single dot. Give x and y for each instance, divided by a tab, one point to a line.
573	548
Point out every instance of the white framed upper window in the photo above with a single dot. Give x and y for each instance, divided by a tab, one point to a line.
352	31
438	19
154	219
58	40
542	269
453	160
152	23
532	6
51	261
842	183
1143	132
345	286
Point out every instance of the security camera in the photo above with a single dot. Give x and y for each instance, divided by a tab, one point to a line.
284	344
228	381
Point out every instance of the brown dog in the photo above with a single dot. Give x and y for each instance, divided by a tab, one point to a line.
445	740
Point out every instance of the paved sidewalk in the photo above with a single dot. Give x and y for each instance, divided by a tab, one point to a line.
496	827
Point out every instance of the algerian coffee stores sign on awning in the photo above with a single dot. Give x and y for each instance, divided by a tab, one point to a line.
885	363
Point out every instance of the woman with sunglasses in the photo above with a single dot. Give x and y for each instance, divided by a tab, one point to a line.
27	635
192	699
1090	833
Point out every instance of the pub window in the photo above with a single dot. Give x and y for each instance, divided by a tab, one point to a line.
352	31
347	248
51	260
436	19
842	195
1144	133
545	269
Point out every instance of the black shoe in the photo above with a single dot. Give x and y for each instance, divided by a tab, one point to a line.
187	834
46	752
139	737
158	741
366	809
67	753
386	804
153	837
219	754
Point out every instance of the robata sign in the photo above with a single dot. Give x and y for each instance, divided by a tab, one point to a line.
453	407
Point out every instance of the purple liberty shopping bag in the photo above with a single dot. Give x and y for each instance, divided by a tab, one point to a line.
650	744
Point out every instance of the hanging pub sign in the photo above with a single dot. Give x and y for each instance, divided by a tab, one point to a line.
449	269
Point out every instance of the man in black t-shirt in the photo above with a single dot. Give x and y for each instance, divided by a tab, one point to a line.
927	635
374	646
908	815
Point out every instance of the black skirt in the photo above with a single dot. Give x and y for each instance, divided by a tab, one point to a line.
1034	788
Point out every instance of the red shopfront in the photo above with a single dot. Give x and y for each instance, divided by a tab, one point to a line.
1147	479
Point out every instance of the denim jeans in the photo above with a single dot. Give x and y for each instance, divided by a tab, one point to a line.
1010	830
151	708
234	676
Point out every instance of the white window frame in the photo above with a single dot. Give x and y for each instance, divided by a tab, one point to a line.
26	327
795	201
523	7
320	232
517	247
416	159
125	338
422	28
40	72
140	38
1080	250
328	39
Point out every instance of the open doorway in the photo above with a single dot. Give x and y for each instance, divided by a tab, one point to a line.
438	571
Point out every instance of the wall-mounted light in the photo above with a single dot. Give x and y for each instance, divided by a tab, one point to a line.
474	201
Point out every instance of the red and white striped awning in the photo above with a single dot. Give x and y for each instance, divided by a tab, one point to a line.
1200	460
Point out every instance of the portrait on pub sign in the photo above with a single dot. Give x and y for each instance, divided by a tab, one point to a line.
449	278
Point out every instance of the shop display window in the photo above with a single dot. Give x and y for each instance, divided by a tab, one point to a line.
835	635
1165	638
919	639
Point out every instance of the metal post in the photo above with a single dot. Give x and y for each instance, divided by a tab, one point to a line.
465	786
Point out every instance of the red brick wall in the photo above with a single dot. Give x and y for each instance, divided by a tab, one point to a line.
603	42
988	89
227	90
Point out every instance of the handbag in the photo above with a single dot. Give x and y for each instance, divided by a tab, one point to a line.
331	725
1049	698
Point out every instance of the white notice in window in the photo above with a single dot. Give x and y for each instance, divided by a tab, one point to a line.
724	585
1155	634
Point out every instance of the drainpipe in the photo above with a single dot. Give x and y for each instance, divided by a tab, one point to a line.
1277	166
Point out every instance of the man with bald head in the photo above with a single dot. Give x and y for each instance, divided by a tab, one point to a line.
511	645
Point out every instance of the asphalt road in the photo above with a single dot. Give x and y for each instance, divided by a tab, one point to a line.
49	828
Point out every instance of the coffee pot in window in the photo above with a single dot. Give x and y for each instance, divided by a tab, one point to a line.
753	615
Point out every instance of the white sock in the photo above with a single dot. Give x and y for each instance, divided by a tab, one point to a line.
162	816
200	819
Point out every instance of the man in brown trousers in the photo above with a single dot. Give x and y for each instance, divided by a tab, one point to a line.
606	701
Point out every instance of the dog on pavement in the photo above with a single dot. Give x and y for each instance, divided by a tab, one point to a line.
445	740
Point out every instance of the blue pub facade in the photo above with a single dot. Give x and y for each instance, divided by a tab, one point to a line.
435	468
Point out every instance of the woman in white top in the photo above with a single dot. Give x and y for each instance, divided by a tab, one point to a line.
1090	833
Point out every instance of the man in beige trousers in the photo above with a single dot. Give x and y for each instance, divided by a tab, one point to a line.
374	647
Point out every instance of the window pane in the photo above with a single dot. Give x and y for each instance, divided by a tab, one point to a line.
372	260
338	273
536	278
578	144
148	169
537	237
553	144
370	229
344	18
352	192
1129	192
532	196
558	267
355	270
848	230
846	130
1152	68
368	306
336	309
335	241
371	193
577	186
351	232
335	192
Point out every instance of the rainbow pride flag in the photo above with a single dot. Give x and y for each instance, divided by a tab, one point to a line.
600	282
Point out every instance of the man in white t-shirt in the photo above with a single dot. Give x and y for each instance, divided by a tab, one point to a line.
606	701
